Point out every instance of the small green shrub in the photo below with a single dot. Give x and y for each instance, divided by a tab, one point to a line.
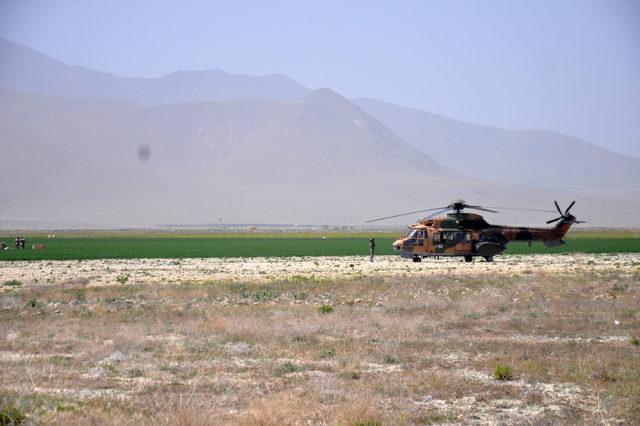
32	303
328	353
241	289
122	279
136	372
620	288
298	278
265	295
288	367
503	372
65	407
10	415
390	359
355	375
301	295
634	340
606	374
325	309
80	295
13	283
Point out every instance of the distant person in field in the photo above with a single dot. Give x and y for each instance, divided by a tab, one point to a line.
23	242
17	243
372	248
3	246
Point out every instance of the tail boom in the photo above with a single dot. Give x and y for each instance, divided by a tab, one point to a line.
551	237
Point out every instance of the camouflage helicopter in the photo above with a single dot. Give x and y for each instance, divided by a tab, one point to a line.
469	235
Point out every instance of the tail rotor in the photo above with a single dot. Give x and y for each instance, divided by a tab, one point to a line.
565	215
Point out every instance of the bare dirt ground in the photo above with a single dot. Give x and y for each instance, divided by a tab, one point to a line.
322	340
112	272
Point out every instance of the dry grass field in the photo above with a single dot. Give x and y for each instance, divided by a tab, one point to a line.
332	340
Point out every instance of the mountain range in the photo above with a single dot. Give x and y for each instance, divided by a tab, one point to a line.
89	149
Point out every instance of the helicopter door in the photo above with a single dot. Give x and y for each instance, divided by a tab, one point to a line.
437	245
421	236
463	242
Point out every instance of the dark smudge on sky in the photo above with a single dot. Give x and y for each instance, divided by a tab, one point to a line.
144	152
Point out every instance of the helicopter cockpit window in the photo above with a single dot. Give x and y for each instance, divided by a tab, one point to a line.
410	242
411	238
412	233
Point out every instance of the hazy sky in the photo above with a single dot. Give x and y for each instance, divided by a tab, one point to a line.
570	66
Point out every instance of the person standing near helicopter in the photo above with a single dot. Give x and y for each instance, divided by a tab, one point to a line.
372	248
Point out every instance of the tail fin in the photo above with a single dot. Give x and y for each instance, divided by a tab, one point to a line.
558	232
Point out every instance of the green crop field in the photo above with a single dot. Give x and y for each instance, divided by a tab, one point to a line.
148	245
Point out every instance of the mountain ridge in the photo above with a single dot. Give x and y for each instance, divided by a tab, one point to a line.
546	158
25	69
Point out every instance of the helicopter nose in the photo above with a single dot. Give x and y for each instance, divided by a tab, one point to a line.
397	244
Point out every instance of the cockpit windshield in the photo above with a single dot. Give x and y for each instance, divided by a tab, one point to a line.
412	233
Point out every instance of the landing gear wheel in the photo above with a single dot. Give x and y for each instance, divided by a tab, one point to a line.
468	258
489	258
417	259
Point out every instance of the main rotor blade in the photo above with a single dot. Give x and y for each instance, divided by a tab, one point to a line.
555	220
484	209
437	213
522	209
558	207
405	214
569	208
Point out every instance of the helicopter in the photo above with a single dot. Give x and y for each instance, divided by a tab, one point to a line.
468	235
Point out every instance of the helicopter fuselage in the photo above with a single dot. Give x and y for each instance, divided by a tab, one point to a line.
469	235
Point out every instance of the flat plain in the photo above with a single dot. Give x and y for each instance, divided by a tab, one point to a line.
149	244
532	339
